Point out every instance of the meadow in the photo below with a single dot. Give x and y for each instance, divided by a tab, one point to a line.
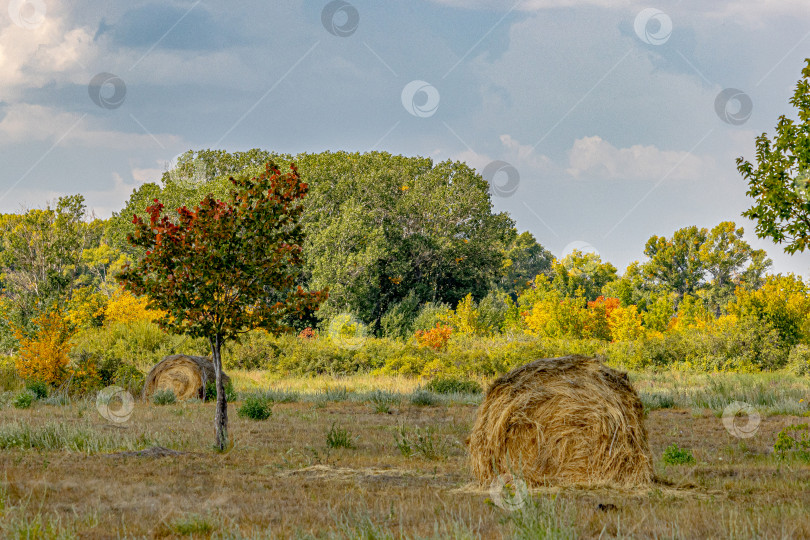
375	456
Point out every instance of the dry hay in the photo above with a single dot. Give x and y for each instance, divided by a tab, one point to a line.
562	421
183	374
152	451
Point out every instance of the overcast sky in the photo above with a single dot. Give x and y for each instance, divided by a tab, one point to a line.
599	122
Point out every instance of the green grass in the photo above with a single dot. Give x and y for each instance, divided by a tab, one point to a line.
338	437
674	455
164	396
255	407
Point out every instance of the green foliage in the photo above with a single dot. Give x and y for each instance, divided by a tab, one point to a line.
24	399
429	314
799	360
582	275
255	407
524	258
164	396
424	398
38	388
338	437
453	385
398	322
793	441
424	443
673	455
778	182
211	391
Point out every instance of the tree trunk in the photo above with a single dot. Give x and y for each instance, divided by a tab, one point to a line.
221	418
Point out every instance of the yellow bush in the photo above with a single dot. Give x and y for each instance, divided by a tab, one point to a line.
625	324
86	308
44	356
124	307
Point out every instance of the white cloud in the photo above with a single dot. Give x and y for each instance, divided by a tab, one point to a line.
28	123
595	157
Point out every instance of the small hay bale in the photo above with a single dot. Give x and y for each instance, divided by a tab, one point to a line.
568	420
183	374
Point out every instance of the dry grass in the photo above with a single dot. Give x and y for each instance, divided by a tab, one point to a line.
281	480
568	420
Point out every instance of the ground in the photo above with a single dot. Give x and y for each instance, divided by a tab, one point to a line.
282	480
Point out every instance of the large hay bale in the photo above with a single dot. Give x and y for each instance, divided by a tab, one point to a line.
183	374
568	420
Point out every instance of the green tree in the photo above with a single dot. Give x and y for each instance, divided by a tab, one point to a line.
523	259
674	263
582	275
225	267
41	255
779	183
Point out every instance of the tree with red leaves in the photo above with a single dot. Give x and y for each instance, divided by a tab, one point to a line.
225	267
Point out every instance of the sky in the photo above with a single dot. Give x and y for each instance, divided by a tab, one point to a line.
598	123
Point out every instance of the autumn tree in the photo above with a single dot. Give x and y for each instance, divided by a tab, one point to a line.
779	181
225	267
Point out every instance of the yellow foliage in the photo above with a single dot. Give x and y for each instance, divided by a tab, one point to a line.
625	323
44	356
86	308
124	307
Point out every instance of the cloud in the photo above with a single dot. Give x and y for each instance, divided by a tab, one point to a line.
171	27
595	157
31	123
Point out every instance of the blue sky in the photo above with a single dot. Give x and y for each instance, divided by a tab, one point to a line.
605	112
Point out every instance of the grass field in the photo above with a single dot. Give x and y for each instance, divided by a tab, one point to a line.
367	457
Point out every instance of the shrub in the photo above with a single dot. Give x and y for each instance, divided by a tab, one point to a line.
211	391
397	323
452	385
256	408
24	399
382	400
44	355
436	338
164	396
799	360
673	455
430	314
38	388
338	437
423	398
793	441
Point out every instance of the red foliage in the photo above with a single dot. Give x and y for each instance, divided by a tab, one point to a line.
435	338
